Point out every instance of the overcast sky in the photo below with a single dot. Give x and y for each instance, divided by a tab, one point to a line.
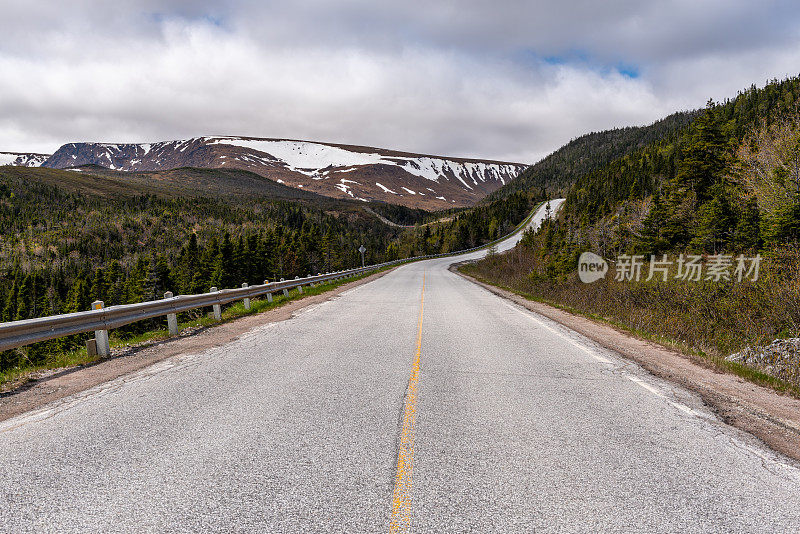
499	79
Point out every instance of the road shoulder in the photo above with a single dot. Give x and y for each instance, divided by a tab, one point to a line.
771	417
38	393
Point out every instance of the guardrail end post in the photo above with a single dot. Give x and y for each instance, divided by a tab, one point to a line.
101	336
217	308
172	319
246	299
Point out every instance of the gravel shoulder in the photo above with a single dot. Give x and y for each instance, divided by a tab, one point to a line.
771	417
54	387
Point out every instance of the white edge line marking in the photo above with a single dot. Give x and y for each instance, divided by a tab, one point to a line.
645	385
636	380
575	343
659	393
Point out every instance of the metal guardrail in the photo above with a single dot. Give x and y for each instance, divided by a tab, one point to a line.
20	333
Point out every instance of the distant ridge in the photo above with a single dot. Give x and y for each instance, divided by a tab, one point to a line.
335	170
22	159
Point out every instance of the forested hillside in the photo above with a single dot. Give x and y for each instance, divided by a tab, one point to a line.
557	172
729	182
68	238
467	229
726	185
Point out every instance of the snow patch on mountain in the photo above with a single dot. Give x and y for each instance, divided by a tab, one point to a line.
385	189
309	158
19	159
303	155
317	166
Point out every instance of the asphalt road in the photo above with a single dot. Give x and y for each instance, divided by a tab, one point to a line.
358	416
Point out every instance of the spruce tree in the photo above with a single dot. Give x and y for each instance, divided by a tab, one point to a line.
715	223
747	235
651	240
25	297
10	307
704	154
99	286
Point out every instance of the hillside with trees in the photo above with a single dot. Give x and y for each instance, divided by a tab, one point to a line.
557	172
68	238
726	186
728	182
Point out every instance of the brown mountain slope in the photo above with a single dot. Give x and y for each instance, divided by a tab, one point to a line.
339	171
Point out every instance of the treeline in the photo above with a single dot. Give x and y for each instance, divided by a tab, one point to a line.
729	182
224	263
467	229
558	171
60	249
403	215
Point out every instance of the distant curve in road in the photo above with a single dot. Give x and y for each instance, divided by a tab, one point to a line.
501	420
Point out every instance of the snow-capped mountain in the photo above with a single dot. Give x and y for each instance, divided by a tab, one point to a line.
19	159
342	171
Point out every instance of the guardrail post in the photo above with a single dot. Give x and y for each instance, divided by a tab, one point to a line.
286	293
217	307
246	299
269	295
101	336
300	289
172	319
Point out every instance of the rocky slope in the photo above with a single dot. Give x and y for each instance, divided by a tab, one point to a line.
20	159
340	171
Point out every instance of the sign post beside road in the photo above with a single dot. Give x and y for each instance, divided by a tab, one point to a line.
362	250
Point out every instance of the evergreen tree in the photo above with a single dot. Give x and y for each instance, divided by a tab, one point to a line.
99	289
78	298
715	222
784	226
25	298
114	288
703	160
747	235
10	307
652	240
157	280
224	271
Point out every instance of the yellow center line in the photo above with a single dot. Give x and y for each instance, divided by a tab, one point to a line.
401	500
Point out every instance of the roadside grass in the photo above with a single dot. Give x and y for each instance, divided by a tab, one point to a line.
703	323
56	360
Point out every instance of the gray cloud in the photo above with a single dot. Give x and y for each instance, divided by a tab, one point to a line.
506	80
